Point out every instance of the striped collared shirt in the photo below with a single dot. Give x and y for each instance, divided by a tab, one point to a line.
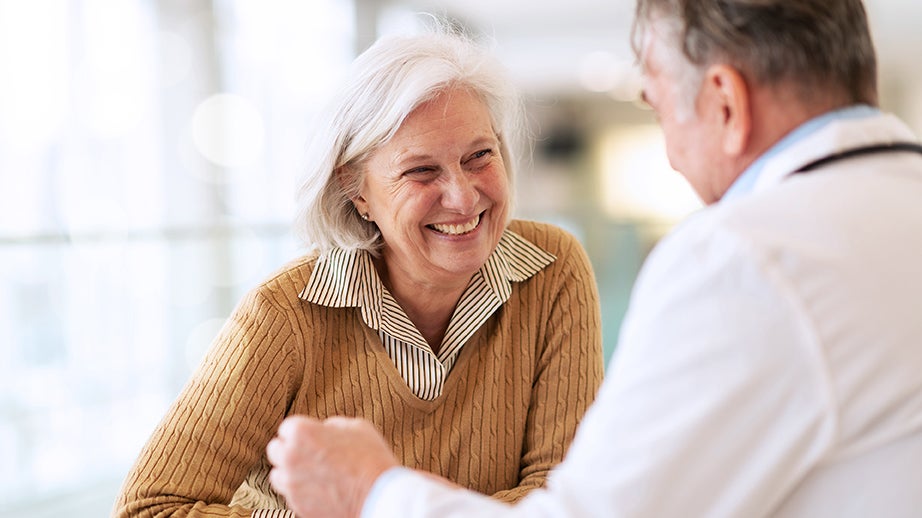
343	278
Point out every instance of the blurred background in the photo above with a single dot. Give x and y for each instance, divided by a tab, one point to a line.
149	156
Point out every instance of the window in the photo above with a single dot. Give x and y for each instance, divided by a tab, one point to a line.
149	158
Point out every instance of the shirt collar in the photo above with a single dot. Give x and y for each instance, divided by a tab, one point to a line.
746	182
347	278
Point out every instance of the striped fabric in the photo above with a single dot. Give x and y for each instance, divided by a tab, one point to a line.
272	513
344	278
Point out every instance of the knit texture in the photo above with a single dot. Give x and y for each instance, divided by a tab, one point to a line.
506	416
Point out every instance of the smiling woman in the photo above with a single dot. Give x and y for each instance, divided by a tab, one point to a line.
438	193
471	341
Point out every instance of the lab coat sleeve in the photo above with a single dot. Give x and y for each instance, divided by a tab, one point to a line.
716	403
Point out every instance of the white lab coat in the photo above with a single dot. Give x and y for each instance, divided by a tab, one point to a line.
770	363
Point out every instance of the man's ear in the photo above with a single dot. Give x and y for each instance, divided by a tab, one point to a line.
731	93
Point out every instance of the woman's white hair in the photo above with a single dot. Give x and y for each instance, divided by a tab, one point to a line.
385	84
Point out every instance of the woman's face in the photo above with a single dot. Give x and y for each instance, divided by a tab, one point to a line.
438	192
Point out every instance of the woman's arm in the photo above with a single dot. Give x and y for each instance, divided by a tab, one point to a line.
569	370
217	430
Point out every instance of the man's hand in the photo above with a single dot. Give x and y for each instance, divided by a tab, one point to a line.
327	468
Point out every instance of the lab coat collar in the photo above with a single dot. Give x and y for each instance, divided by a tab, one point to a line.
838	135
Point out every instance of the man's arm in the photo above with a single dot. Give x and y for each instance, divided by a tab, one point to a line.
717	403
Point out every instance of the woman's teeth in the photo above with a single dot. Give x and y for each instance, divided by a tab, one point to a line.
456	230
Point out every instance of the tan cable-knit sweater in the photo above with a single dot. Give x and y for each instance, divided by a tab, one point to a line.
506	416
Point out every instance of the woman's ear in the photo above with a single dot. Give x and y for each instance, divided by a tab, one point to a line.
347	182
361	206
731	94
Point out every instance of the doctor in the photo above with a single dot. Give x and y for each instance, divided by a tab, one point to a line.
771	360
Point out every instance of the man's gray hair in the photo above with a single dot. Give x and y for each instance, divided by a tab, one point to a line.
824	46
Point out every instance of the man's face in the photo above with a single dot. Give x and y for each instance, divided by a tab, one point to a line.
671	88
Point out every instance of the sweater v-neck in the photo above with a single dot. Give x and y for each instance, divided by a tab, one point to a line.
372	343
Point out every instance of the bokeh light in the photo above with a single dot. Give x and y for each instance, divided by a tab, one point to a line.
228	130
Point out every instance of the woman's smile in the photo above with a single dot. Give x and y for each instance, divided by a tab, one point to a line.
456	229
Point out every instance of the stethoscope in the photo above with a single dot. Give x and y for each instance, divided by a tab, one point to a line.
895	147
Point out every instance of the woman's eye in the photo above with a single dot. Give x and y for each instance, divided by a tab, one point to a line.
481	154
419	171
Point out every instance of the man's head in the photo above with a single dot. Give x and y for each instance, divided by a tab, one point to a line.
728	78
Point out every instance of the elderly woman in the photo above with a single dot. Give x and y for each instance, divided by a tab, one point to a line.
470	340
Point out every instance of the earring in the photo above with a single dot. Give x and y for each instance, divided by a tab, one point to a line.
365	216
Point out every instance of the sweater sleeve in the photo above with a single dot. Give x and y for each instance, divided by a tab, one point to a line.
569	370
218	428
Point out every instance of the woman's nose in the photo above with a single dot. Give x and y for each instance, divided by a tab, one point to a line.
460	191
